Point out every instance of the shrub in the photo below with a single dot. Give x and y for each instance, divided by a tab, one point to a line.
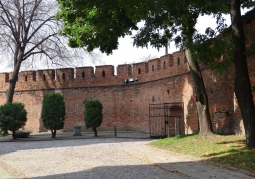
2	133
12	117
22	134
53	112
93	115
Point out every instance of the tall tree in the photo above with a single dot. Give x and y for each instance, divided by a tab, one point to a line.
156	13
29	32
53	112
242	81
13	116
93	114
101	23
237	52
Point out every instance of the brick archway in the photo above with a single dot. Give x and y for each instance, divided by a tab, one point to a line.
176	121
166	119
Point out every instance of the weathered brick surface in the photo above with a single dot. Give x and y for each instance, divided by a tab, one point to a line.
126	105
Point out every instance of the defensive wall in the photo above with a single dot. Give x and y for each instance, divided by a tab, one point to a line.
126	105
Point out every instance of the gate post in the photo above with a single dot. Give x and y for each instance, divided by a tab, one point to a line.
115	130
177	125
168	128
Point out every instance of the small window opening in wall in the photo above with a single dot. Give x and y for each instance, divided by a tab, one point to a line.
54	75
34	76
44	77
164	65
25	77
83	75
139	71
152	67
6	77
178	61
167	91
63	76
103	74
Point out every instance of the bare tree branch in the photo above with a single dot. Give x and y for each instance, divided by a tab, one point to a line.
27	54
29	36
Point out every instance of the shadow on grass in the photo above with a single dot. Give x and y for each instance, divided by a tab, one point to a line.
227	150
231	142
184	136
238	158
232	152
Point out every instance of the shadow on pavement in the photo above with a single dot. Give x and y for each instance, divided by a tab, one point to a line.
33	142
176	170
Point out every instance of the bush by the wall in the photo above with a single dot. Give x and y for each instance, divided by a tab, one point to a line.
53	112
93	115
12	117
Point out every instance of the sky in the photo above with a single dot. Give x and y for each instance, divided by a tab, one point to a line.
127	54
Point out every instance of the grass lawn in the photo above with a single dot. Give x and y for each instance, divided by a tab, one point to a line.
225	149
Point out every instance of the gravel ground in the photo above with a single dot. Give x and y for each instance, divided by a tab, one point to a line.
102	158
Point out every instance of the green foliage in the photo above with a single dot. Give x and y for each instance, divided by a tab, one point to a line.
53	111
22	134
12	117
94	24
217	53
100	23
226	149
93	115
2	133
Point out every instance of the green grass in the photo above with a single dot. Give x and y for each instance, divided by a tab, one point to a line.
228	149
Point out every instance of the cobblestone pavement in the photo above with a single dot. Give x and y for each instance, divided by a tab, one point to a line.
95	158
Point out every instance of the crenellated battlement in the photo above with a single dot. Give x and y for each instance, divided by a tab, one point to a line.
126	103
165	66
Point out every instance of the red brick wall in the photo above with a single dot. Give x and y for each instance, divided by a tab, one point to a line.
126	105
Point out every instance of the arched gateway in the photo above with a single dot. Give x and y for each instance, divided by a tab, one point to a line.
166	119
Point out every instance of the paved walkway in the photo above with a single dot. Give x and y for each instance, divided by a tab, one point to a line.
40	157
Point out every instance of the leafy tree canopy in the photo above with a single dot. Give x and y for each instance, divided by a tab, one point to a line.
166	20
12	117
93	115
99	24
94	24
53	112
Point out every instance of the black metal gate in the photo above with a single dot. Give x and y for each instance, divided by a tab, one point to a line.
165	119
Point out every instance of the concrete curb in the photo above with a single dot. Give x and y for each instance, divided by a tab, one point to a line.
46	136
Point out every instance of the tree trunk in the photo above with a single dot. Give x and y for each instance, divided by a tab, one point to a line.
205	125
53	132
243	90
12	82
14	135
95	131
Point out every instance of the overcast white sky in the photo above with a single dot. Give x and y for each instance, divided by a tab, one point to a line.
126	53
